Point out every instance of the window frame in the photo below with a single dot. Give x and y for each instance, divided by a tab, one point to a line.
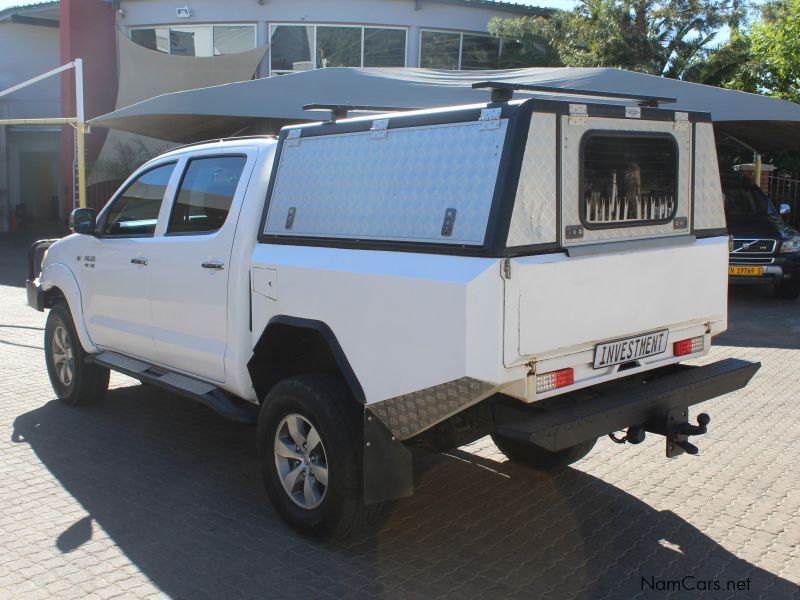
169	26
586	138
103	219
187	162
313	49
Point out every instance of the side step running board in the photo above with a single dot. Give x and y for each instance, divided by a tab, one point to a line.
210	395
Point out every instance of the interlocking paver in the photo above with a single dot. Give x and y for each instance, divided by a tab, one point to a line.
151	495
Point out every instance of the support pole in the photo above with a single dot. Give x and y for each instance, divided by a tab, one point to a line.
757	169
80	132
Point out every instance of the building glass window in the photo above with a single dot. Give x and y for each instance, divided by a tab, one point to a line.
304	47
291	48
467	51
479	52
384	47
197	40
191	41
338	47
232	39
439	50
154	38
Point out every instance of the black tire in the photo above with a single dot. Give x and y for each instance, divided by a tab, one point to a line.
539	458
87	383
325	403
787	290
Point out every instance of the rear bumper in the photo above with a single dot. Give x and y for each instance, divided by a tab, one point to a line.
563	421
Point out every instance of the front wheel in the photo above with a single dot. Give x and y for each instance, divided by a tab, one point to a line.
539	458
309	440
74	380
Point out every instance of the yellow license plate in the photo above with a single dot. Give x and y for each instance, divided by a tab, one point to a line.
746	271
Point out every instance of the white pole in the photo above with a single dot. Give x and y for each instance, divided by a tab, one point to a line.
79	90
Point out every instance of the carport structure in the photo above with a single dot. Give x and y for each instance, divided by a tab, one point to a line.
264	105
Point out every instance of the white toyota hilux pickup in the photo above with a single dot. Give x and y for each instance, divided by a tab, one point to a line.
534	270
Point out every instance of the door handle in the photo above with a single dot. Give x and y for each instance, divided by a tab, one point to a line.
139	261
213	264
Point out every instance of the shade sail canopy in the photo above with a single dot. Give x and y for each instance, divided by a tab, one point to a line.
265	105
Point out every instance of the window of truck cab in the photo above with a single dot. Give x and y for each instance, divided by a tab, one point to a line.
134	211
628	179
205	193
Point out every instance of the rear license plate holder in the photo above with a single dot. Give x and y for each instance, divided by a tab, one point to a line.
635	347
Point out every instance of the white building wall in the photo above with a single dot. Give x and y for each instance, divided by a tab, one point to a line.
27	51
431	15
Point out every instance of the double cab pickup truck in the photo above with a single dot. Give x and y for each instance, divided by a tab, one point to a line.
535	269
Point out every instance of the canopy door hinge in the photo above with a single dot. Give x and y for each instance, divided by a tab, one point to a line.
490	118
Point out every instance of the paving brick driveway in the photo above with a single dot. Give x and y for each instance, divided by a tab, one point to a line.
149	494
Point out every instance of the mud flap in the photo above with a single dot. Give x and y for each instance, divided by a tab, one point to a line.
387	463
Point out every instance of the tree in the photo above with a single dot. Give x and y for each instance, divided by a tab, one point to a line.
774	63
661	38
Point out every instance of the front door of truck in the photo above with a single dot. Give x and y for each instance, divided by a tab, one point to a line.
190	271
114	270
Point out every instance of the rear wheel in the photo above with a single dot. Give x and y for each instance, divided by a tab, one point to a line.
309	441
539	458
787	290
74	381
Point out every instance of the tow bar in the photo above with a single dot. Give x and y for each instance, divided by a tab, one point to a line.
674	427
651	402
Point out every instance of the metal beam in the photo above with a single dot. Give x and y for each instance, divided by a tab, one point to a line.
35	21
36	79
53	121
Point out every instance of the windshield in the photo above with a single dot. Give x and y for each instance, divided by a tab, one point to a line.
746	201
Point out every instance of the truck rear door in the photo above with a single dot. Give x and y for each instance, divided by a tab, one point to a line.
641	226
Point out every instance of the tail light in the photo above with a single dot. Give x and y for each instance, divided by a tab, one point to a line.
555	379
690	346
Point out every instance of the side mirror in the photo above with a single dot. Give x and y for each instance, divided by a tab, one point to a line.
82	220
784	209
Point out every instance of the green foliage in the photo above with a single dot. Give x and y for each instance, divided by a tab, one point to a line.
670	39
775	50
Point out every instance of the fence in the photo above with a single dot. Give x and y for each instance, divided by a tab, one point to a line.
785	190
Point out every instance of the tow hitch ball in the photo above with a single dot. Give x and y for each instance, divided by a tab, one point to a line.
675	427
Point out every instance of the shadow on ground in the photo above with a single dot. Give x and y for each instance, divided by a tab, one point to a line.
177	489
756	319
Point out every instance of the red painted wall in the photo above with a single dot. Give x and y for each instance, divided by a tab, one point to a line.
88	31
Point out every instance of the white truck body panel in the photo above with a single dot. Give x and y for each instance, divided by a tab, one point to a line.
610	296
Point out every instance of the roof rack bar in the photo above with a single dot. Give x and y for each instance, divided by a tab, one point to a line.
503	92
340	111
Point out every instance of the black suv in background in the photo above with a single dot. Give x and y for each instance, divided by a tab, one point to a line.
764	249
